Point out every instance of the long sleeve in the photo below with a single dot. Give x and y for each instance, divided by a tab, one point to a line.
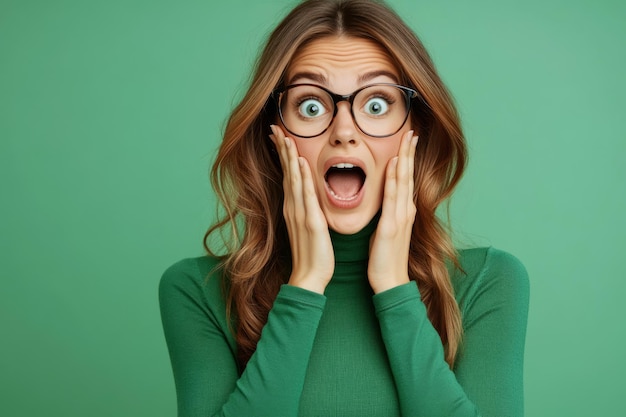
202	351
487	377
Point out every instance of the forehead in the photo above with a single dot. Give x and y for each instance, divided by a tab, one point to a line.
341	59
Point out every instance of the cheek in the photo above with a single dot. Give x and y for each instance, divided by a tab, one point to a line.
309	151
385	151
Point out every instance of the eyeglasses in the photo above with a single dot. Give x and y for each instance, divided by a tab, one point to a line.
378	110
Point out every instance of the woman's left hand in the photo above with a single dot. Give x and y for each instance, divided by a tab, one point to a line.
389	245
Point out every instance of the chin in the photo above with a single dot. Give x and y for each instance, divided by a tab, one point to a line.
348	224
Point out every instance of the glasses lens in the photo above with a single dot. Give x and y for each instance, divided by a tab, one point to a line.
306	110
378	110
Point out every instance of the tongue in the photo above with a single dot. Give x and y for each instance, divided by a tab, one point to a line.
345	184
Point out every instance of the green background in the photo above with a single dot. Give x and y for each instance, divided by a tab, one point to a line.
110	115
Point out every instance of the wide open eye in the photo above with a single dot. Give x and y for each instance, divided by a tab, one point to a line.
311	108
376	106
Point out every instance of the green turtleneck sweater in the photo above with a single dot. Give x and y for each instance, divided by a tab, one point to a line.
350	352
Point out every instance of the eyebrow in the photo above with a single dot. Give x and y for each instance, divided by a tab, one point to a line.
368	76
312	76
362	79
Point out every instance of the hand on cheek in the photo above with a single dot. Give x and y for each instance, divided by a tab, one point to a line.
311	249
389	245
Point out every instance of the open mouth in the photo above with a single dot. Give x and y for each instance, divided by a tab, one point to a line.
344	181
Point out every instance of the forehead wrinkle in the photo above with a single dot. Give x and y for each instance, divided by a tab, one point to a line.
324	58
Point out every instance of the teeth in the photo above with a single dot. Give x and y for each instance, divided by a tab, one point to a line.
343	165
342	198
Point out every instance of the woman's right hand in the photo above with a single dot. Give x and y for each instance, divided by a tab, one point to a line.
312	253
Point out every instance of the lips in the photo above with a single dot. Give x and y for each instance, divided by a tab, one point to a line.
345	180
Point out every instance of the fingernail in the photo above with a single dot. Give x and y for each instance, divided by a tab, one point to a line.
273	129
301	161
415	139
287	142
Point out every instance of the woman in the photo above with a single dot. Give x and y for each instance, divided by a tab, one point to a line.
339	292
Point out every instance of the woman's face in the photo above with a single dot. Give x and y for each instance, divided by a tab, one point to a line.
348	197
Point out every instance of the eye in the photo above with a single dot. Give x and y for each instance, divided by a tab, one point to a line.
376	106
311	108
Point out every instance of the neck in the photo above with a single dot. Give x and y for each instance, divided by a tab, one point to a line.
354	247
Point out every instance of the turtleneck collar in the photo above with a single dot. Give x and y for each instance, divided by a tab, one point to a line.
354	247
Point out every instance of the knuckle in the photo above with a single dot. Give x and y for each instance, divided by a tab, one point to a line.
299	217
412	212
311	224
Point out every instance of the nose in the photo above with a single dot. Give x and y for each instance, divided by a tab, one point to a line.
343	128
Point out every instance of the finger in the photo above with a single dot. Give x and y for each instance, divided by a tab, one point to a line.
406	170
391	188
404	154
314	216
277	138
289	200
411	188
286	160
412	152
273	135
293	164
293	176
403	174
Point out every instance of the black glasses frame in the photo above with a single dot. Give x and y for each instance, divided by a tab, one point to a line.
409	95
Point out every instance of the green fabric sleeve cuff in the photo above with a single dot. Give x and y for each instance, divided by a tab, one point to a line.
396	296
292	293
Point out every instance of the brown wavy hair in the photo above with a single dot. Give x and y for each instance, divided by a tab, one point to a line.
247	176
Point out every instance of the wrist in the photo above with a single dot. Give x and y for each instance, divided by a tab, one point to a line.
382	285
308	284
